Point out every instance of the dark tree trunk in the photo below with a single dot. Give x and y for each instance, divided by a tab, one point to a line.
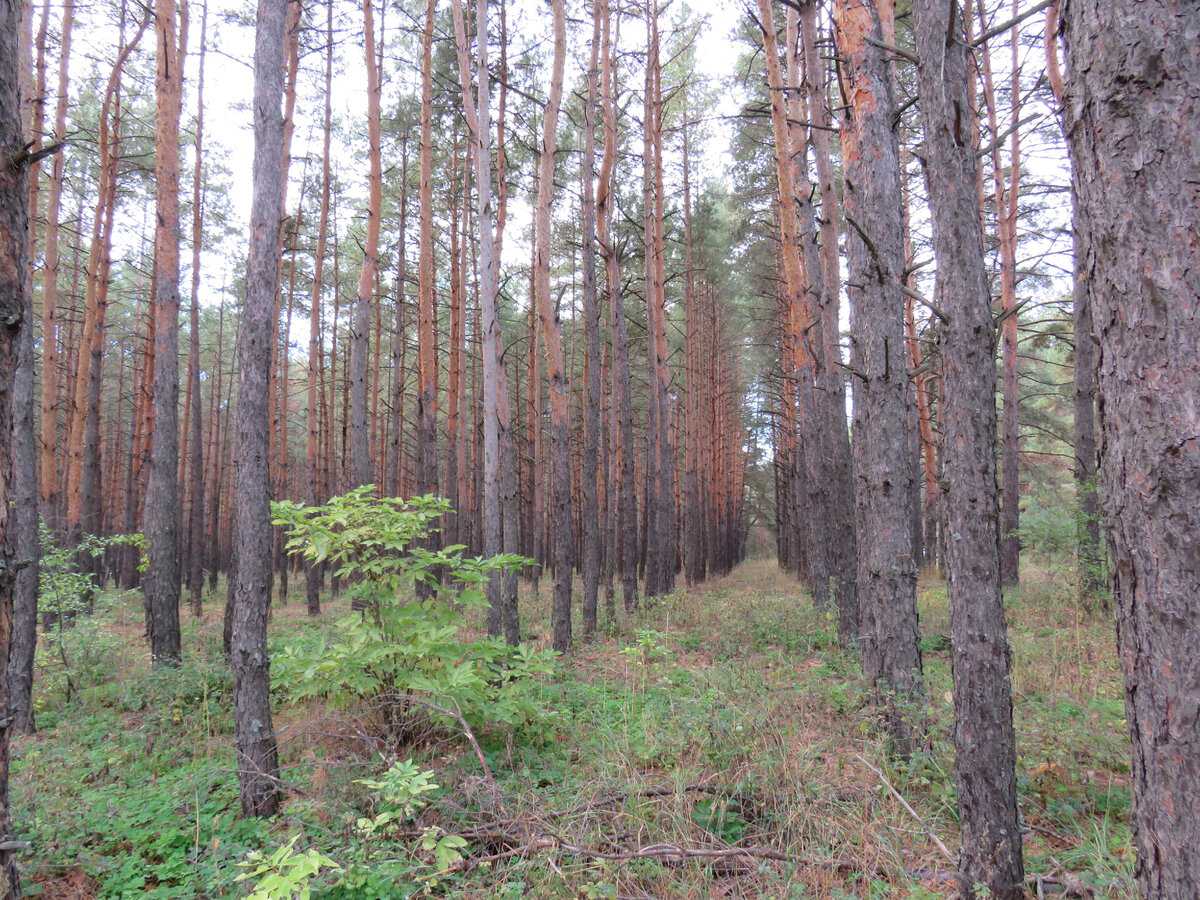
195	578
1131	106
14	302
161	516
843	561
258	758
1088	555
560	460
427	468
985	747
24	492
590	514
887	576
313	576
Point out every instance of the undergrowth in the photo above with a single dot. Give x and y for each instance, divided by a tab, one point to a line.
723	723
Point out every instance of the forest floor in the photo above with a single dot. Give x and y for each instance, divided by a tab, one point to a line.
714	745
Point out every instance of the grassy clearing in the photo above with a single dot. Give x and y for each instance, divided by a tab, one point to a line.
718	719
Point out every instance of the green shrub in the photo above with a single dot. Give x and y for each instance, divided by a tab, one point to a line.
401	646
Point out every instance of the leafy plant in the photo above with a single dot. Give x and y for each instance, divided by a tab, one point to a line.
401	645
285	874
65	593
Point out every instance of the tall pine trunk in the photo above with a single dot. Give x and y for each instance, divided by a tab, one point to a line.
161	517
887	577
985	749
257	753
560	461
1131	105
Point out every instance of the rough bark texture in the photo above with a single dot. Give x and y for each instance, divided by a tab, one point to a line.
1131	106
1088	556
985	758
161	518
887	576
843	562
14	300
1089	559
23	490
257	754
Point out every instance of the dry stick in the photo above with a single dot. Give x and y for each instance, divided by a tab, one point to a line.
912	812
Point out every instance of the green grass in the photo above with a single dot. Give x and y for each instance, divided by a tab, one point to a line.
717	718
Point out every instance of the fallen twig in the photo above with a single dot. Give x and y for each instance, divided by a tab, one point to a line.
912	812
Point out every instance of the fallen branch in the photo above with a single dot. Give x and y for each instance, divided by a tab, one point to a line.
912	812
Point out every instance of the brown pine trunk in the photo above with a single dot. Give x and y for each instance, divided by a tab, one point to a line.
160	520
51	375
660	462
694	562
798	321
623	505
1130	108
195	578
79	477
498	472
258	758
21	532
985	757
360	447
843	561
313	493
15	300
1005	197
427	474
560	462
589	473
887	574
1088	555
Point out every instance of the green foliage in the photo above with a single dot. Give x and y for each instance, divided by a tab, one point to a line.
285	874
64	590
403	646
401	790
73	658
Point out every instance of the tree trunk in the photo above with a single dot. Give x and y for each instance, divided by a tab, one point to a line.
1131	105
360	449
15	300
560	460
985	759
496	413
195	579
623	516
1005	196
590	514
313	494
50	359
427	474
843	561
161	517
887	576
258	758
1088	556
